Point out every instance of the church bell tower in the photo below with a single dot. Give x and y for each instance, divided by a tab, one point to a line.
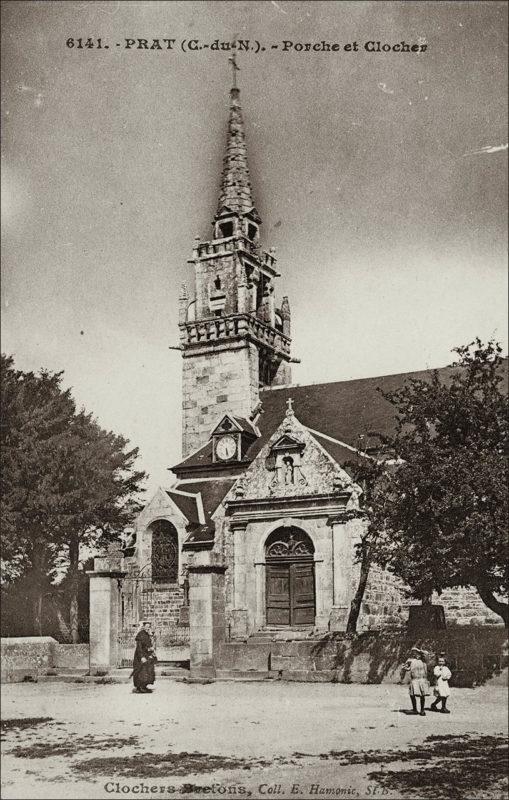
233	337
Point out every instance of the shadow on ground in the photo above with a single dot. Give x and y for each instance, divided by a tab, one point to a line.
71	746
443	767
164	765
23	723
460	766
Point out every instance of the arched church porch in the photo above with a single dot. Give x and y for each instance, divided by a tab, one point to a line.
290	574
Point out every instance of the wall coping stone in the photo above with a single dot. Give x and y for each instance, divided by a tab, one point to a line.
208	568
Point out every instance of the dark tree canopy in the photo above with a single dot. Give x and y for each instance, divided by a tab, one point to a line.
66	482
437	507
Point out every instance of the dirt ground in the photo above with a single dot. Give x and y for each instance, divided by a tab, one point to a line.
268	740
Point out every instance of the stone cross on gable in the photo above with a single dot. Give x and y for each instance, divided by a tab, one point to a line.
289	405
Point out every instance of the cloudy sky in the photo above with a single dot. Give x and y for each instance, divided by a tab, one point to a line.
380	178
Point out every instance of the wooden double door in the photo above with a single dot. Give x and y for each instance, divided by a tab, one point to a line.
290	593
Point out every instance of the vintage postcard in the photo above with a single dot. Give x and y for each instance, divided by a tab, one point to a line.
254	399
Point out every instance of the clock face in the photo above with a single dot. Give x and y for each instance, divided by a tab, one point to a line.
226	448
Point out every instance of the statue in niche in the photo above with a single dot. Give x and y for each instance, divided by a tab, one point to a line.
288	470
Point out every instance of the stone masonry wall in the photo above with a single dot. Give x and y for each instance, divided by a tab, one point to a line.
385	604
220	379
162	607
475	656
25	657
463	606
161	603
222	267
30	657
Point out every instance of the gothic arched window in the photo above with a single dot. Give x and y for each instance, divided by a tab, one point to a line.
165	552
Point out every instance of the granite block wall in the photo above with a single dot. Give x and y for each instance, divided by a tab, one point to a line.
220	379
30	657
476	656
385	604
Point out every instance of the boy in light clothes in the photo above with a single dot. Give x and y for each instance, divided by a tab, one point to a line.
442	691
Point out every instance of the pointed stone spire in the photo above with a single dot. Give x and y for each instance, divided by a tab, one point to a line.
235	193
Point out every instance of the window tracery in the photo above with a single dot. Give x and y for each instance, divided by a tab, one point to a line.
165	552
289	543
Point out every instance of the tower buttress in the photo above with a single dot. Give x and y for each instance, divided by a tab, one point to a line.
234	338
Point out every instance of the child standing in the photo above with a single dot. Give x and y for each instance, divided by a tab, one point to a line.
418	686
442	691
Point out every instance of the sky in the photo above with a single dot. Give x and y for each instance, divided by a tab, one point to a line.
381	180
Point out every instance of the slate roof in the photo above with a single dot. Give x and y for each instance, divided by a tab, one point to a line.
187	505
211	493
246	425
343	411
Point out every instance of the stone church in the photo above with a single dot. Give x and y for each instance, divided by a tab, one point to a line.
256	537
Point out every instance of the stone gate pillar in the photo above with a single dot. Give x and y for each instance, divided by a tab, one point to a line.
342	565
239	612
207	624
104	612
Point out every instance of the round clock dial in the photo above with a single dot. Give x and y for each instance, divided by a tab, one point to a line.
226	448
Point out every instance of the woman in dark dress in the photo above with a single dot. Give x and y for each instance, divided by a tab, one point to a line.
144	660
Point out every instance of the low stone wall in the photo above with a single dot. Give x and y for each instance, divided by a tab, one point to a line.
26	658
476	656
71	656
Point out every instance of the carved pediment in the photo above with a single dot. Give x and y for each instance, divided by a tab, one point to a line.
288	442
227	424
292	464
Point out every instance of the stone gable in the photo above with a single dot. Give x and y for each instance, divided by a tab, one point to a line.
159	505
292	464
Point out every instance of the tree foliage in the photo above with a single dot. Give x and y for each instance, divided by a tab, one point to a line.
437	504
66	482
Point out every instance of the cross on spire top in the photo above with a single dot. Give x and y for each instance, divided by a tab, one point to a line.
233	61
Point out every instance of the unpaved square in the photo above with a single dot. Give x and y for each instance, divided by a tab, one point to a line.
266	739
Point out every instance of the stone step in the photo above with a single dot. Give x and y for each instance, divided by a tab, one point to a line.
172	672
283	635
298	675
244	675
122	675
75	678
66	671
